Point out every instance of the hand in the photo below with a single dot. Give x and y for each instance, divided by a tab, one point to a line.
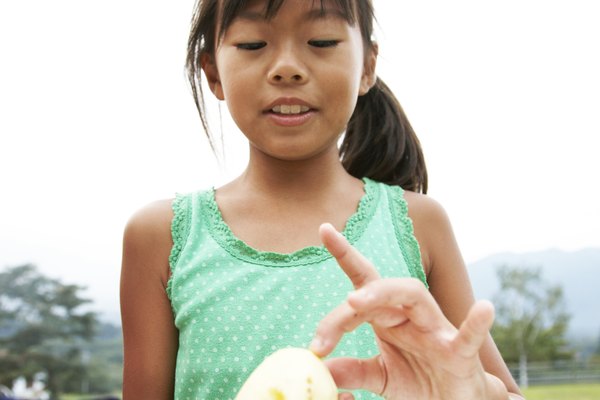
422	355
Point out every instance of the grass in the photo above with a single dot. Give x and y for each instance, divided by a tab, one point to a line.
547	392
563	392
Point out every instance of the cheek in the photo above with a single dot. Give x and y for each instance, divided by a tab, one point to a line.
233	75
344	89
237	94
234	82
343	81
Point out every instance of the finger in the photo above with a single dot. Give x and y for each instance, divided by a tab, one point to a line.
475	329
354	373
333	326
345	396
407	294
388	317
353	263
345	319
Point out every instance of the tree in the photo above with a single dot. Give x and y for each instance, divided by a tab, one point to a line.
42	327
531	320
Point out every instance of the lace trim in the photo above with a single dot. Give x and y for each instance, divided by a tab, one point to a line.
180	229
220	231
405	234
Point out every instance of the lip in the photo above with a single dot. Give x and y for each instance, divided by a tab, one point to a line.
290	120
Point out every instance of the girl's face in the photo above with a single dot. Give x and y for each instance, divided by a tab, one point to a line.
291	82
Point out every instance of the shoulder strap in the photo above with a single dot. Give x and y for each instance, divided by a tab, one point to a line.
405	232
180	229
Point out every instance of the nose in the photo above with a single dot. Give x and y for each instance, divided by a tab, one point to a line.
287	67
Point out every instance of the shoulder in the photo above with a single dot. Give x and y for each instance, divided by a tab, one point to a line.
147	239
420	207
150	221
428	215
432	227
424	208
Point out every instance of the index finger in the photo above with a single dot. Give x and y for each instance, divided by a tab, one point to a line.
360	270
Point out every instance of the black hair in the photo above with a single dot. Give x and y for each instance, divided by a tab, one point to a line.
379	142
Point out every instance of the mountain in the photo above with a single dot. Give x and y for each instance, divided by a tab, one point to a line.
577	272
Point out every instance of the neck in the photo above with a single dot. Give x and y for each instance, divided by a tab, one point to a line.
298	179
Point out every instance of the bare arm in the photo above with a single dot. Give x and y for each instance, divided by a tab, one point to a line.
149	333
448	277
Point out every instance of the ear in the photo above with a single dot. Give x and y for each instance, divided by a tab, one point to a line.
369	76
209	67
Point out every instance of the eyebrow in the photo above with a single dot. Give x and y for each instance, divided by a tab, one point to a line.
314	14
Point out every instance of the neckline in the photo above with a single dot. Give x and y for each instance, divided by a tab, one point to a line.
224	236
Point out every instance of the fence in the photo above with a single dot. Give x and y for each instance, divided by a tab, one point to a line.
559	372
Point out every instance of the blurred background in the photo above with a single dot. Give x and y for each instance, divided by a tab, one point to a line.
96	120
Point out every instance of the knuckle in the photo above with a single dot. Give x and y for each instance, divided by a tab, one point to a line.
359	278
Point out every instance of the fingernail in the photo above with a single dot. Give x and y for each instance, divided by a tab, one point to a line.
328	225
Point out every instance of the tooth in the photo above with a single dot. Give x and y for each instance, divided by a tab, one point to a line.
289	109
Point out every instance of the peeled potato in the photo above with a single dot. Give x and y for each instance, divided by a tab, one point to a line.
290	374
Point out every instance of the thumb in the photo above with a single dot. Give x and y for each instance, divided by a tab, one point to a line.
354	373
475	329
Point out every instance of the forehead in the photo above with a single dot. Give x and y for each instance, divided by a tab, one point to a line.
271	7
268	9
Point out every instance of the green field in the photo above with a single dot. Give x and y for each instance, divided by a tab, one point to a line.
549	392
564	392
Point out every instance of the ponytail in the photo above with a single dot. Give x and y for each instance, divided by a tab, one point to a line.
380	143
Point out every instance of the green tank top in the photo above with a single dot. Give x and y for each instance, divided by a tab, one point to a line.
234	305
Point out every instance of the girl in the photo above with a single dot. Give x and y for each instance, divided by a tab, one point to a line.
214	281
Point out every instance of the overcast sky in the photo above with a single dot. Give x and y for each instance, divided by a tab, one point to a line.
96	120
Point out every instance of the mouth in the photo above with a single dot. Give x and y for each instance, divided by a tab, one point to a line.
289	106
290	112
287	109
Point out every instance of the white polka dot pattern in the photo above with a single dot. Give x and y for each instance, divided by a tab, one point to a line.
233	311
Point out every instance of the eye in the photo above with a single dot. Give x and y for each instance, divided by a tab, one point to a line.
251	45
323	43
